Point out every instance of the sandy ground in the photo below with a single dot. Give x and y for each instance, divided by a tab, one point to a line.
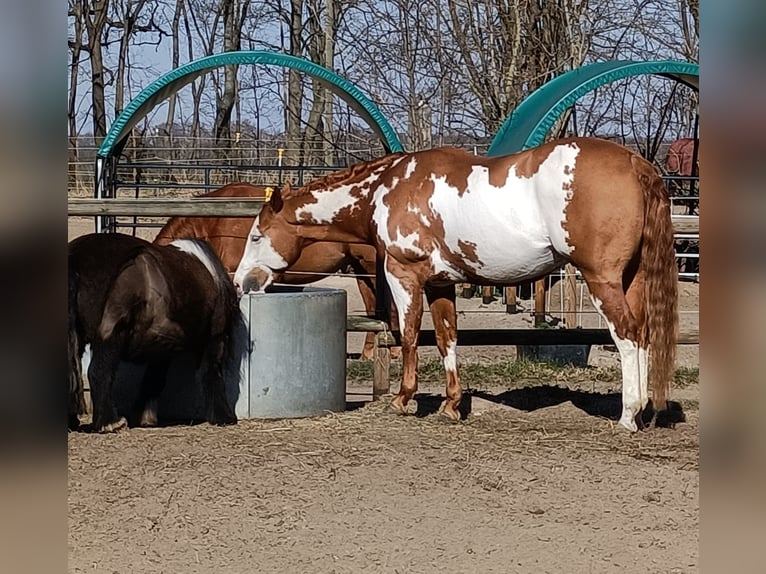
537	479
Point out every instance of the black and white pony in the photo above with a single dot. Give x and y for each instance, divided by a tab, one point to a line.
134	301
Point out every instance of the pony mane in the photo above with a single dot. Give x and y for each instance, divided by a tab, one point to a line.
336	178
200	249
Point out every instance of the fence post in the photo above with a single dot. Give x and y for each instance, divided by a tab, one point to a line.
510	300
380	374
539	302
570	297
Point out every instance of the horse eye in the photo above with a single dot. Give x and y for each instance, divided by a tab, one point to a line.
255	238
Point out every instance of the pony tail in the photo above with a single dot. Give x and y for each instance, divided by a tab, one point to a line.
659	266
77	404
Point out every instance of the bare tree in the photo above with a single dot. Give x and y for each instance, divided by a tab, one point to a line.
233	13
94	14
508	49
75	49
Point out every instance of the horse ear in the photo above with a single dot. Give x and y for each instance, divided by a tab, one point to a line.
275	201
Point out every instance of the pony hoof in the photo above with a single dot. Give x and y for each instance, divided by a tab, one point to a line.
149	417
116	426
223	422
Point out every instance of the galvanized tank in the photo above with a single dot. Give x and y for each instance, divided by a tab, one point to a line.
297	361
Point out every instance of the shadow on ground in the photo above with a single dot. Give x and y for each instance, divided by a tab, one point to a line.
528	399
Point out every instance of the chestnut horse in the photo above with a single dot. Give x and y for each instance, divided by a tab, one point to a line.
227	237
444	216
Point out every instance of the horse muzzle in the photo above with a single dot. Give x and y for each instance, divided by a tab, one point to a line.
257	280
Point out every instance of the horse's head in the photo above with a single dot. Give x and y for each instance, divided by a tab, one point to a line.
272	246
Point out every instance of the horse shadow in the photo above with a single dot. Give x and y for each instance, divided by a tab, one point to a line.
528	399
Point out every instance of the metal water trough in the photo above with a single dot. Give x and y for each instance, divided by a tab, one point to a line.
290	361
297	359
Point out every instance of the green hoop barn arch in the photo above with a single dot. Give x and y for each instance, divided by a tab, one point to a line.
529	123
170	83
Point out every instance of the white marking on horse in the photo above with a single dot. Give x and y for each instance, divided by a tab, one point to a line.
329	205
440	266
450	359
517	227
193	248
634	374
402	298
410	168
259	252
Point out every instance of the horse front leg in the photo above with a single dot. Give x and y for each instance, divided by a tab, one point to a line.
441	301
105	358
407	293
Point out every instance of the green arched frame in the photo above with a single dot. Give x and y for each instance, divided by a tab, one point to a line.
531	121
170	83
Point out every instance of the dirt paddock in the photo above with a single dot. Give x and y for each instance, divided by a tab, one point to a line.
539	478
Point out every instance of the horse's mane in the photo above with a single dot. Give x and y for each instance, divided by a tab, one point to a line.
221	272
338	177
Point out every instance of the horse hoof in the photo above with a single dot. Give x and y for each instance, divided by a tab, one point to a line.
401	407
629	424
449	413
116	426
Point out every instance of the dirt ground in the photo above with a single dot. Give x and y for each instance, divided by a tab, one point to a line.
538	479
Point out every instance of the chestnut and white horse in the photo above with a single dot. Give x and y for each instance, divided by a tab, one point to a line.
444	216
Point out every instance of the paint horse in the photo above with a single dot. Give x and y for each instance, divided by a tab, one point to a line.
444	216
227	237
143	303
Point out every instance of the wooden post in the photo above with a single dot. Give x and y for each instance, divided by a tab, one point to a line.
486	294
539	302
510	300
380	375
570	297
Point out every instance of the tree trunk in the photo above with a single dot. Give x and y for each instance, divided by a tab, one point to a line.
95	19
74	74
294	88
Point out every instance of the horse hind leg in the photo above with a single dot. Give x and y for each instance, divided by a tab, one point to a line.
105	358
610	301
407	293
635	298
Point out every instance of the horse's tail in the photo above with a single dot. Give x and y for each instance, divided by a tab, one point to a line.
77	404
659	267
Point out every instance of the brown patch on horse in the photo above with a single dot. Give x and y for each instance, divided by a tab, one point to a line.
468	249
450	163
599	217
528	162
